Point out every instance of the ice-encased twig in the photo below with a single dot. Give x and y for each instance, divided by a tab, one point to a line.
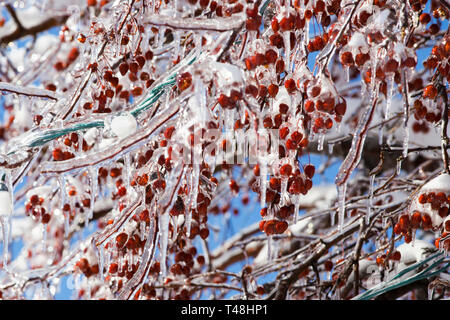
353	157
141	273
117	149
39	137
165	203
125	216
216	24
28	91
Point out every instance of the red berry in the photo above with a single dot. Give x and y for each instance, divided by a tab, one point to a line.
290	85
347	58
204	233
286	170
416	219
284	132
424	18
272	90
281	226
426	221
168	132
328	264
309	170
430	92
271	56
309	106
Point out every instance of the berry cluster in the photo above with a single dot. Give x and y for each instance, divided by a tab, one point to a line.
395	256
86	268
323	104
35	207
278	212
429	211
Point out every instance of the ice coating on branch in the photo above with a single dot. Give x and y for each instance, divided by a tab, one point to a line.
352	159
124	125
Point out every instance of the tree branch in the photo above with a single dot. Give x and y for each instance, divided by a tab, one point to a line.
20	31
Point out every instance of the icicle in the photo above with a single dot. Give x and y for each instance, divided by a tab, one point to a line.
363	85
195	180
390	93
333	217
130	260
200	99
330	148
320	142
62	195
6	230
164	230
380	135
127	161
296	200
44	238
6	210
399	166
347	73
405	142
287	51
94	186
413	238
339	127
101	260
384	222
372	182
142	230
405	115
341	202
373	75
284	196
188	216
263	181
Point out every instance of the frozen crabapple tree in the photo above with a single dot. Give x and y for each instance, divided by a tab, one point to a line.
135	133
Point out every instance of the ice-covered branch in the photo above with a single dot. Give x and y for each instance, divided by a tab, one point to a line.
444	129
195	24
29	91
